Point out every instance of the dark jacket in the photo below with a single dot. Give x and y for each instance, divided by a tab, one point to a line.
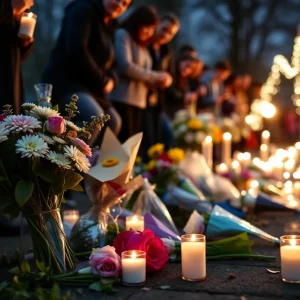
11	55
162	61
83	56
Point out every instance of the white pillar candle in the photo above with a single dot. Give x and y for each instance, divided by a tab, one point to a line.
207	150
133	267
264	152
290	258
71	216
265	137
193	257
221	169
27	25
226	148
135	223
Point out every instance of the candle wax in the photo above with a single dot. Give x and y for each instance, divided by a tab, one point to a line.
290	262
134	270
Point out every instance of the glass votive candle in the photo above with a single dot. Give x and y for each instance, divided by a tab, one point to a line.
27	25
193	257
290	258
135	223
71	216
133	267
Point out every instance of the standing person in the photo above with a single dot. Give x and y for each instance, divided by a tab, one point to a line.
163	60
13	51
134	66
83	56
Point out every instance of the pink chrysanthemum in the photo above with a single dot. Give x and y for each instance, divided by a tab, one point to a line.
20	123
82	146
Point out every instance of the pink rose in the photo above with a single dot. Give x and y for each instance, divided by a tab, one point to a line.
82	146
2	117
105	262
156	252
56	125
72	134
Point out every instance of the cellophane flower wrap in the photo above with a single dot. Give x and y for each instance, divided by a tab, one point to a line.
91	230
40	158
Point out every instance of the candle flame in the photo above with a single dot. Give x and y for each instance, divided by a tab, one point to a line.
266	134
193	239
227	136
208	139
30	15
293	243
254	184
133	254
134	219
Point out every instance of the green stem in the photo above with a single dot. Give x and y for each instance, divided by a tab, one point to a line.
241	256
83	254
5	174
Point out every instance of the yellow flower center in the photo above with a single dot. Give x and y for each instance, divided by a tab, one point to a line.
110	162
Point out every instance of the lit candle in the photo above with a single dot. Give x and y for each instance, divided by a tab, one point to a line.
246	159
226	148
133	267
27	25
297	189
71	216
290	258
265	137
193	257
254	188
207	150
264	152
221	169
135	223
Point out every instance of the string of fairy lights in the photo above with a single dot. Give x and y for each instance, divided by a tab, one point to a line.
263	107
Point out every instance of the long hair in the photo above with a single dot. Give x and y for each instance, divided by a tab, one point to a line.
144	15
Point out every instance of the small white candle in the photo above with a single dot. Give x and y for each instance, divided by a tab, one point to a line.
193	257
71	216
226	148
253	188
27	25
133	267
207	150
265	137
135	223
290	258
264	152
221	169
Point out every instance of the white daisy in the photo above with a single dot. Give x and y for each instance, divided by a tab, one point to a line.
3	133
28	106
59	140
72	126
59	159
80	160
46	138
43	112
21	123
31	146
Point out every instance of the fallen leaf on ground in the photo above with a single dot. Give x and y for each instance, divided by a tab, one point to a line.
164	287
146	289
231	276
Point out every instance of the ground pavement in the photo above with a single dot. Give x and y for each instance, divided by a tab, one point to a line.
232	280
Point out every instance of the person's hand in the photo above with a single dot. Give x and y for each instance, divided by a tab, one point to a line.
168	79
19	6
161	78
190	97
25	43
109	86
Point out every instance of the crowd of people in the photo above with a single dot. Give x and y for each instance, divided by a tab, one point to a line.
126	69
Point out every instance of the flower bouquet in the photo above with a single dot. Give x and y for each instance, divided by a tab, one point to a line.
190	133
41	155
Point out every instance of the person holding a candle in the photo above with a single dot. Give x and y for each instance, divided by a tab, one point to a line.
134	66
13	51
82	60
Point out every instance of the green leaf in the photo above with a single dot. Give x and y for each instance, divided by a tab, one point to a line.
72	179
25	267
55	107
23	192
44	173
96	286
15	271
78	188
41	266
